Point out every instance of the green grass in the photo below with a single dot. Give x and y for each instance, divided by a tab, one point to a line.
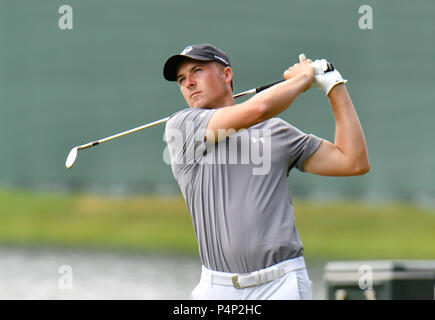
355	230
344	230
136	223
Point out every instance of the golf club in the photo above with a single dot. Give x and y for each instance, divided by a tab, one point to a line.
72	156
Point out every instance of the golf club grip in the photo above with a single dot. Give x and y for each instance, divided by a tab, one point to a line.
330	67
258	89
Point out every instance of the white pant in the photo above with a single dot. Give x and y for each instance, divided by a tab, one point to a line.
293	285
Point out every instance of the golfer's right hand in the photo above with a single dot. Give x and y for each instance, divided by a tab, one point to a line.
303	68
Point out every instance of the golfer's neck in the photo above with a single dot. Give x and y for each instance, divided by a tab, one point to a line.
224	102
229	101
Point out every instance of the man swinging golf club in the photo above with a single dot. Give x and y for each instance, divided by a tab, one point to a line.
244	222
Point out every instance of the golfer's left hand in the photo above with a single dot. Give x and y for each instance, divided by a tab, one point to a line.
326	81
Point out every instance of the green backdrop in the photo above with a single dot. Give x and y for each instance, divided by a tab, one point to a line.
62	88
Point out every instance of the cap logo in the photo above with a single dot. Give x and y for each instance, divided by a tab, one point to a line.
221	59
186	50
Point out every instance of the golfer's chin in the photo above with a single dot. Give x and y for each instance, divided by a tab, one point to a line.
199	102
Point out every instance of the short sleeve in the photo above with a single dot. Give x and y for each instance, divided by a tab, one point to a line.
184	134
311	144
300	145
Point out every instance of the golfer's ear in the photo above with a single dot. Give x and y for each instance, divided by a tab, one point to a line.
228	75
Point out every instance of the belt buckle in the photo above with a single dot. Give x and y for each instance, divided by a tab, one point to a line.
259	277
236	284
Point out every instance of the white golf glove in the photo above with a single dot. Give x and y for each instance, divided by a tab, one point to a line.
325	81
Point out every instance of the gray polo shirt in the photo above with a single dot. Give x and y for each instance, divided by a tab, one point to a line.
237	191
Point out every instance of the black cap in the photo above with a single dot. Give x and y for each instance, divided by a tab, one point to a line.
202	52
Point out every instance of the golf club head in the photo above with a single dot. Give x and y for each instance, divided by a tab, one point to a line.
71	158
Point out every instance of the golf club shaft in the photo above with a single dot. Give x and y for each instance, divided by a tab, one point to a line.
97	142
94	143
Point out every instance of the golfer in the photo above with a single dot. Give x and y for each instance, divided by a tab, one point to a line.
243	219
